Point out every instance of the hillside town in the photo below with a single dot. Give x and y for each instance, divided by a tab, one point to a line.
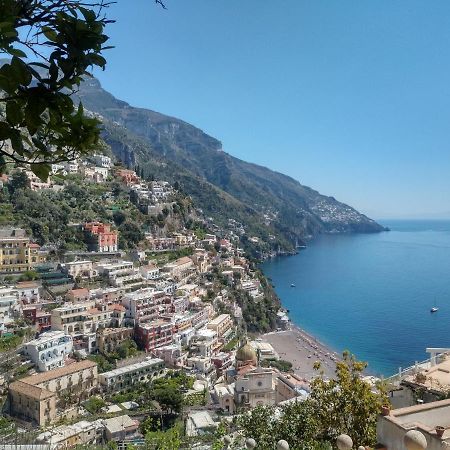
85	336
105	341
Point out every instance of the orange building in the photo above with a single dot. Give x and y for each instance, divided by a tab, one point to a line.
101	237
128	176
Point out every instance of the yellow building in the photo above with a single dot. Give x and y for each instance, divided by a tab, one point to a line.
17	254
43	397
221	324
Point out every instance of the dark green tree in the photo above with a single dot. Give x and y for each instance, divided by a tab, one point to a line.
18	180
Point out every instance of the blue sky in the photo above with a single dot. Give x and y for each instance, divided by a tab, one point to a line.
349	97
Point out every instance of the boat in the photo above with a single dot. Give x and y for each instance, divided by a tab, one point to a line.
434	309
292	285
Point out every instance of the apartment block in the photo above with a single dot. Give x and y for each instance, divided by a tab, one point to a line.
100	237
221	325
145	305
157	333
41	398
49	351
127	376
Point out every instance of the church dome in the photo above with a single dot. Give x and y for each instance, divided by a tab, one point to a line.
247	354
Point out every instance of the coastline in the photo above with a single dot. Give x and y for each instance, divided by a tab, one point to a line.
303	350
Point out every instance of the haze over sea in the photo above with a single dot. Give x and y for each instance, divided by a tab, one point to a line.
372	293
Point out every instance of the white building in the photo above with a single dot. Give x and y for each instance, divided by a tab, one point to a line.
83	269
150	272
50	350
8	300
121	273
102	161
127	376
199	423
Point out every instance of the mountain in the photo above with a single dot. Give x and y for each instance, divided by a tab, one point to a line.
271	205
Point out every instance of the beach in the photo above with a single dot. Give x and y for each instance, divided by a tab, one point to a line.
302	350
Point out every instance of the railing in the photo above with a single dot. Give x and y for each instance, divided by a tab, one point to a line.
416	368
412	440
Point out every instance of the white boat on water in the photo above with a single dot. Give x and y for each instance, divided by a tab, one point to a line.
434	309
292	285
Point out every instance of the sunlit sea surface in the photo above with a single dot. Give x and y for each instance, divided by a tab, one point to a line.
372	293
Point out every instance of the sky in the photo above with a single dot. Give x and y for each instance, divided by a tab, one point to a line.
350	97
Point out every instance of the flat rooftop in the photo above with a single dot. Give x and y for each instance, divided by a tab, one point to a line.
132	367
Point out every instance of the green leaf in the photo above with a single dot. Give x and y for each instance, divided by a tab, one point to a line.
50	34
41	170
5	131
21	71
17	52
14	113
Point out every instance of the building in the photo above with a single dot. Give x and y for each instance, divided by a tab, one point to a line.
108	339
145	305
8	300
42	320
72	319
82	433
172	355
255	387
154	334
100	237
427	384
15	251
49	351
82	269
129	177
120	428
102	161
28	292
95	174
180	268
127	376
264	350
150	272
223	395
246	356
290	385
78	295
45	398
425	419
121	274
222	325
199	423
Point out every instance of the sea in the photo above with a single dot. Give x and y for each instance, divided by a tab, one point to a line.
371	294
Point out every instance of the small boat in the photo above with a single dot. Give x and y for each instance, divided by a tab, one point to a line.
292	285
434	309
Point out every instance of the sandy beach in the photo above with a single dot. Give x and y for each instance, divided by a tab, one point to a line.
302	350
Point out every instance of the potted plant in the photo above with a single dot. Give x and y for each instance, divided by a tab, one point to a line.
385	409
439	430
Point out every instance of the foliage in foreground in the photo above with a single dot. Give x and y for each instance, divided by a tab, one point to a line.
346	404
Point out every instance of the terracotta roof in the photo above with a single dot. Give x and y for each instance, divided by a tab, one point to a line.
118	308
56	373
30	391
34	245
79	292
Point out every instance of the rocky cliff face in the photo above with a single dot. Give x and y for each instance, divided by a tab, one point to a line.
281	205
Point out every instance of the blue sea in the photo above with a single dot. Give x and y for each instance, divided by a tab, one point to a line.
372	293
